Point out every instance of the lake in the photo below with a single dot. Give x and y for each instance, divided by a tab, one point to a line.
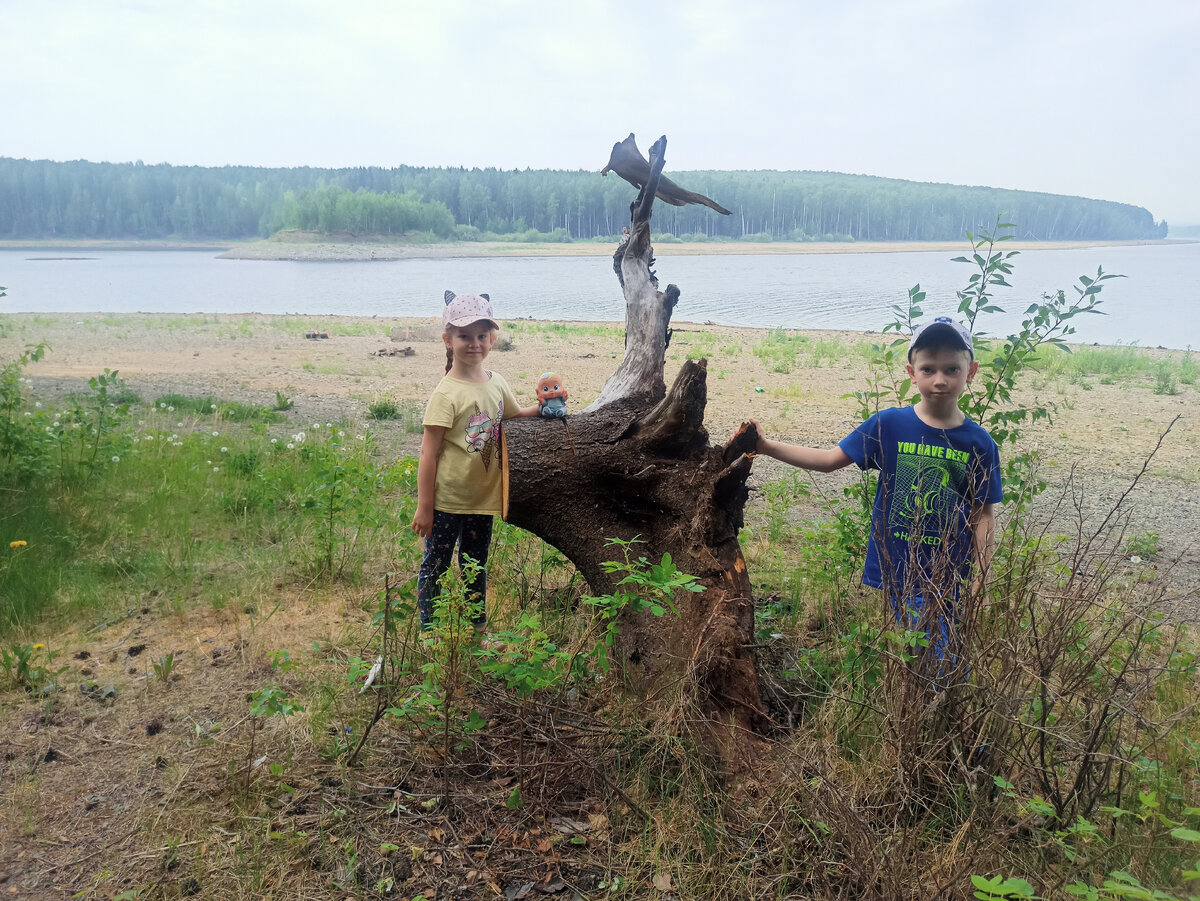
1156	304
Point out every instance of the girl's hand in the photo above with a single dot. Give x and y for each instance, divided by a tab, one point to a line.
422	522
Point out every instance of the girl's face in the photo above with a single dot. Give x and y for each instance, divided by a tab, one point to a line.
470	343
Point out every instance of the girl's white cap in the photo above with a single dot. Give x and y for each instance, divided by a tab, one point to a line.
463	309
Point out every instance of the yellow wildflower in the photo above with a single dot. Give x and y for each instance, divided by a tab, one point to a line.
16	544
39	646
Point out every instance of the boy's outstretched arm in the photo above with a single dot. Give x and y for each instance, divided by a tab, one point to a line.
814	458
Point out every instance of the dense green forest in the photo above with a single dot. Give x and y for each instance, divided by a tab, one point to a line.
45	199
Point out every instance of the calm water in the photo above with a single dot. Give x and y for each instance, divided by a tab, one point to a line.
1157	304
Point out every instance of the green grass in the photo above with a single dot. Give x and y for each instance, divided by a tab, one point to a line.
296	326
562	329
1115	364
146	509
225	411
785	351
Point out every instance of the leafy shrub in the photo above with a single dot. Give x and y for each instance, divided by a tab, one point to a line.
384	410
1164	379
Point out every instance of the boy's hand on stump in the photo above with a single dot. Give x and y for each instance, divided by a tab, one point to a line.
742	437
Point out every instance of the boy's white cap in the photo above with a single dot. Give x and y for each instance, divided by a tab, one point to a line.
463	309
940	326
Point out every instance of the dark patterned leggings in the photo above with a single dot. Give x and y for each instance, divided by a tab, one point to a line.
472	532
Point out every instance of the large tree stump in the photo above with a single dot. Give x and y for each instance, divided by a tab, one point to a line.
644	468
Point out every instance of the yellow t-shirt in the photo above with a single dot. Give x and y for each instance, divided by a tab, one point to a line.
468	473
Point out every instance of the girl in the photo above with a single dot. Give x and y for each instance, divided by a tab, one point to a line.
458	476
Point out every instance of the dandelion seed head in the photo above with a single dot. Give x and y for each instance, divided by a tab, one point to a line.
224	450
290	445
116	459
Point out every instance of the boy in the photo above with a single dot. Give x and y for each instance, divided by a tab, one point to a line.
939	481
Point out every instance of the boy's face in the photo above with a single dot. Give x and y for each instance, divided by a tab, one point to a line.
942	374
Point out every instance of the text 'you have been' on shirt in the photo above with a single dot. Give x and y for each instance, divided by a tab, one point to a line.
930	480
468	473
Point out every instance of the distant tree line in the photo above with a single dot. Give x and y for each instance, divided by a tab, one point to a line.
332	209
45	199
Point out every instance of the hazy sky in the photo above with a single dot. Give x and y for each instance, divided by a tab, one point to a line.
1096	98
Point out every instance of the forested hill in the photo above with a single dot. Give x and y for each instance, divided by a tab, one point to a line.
44	199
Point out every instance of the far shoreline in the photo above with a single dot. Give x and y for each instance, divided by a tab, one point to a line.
335	250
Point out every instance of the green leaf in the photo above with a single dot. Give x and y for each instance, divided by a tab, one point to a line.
515	801
1184	834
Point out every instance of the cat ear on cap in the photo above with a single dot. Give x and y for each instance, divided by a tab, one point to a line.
486	297
449	296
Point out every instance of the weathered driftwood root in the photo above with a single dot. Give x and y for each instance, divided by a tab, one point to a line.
627	161
647	310
641	467
652	475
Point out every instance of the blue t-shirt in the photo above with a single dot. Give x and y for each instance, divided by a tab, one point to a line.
930	479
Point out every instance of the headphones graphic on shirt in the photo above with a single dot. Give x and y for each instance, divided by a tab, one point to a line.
918	500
